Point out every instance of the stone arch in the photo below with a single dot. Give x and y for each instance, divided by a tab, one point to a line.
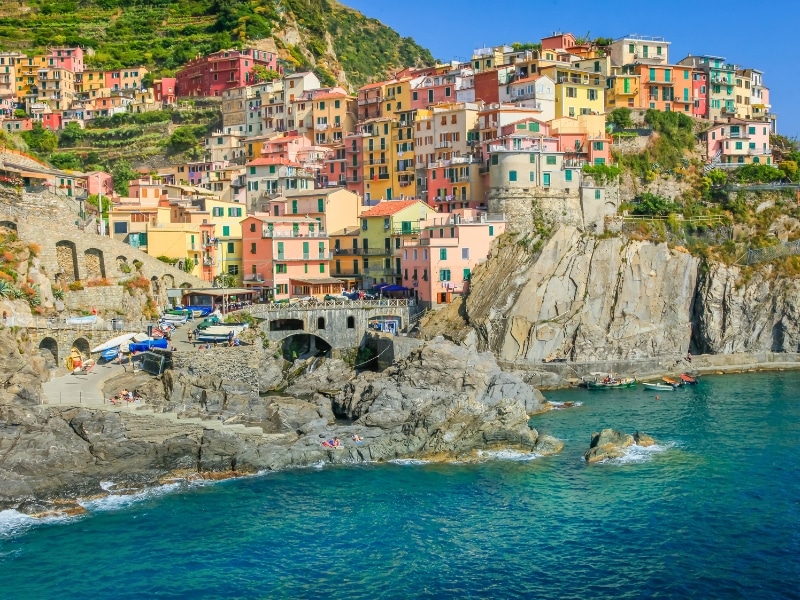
48	348
186	285
9	225
320	322
82	344
304	345
168	280
67	258
95	264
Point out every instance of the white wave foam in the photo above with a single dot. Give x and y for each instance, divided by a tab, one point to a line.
564	405
14	523
639	454
408	461
513	455
120	501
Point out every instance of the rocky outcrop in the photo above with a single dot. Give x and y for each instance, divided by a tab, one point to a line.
587	298
760	314
21	375
443	402
611	443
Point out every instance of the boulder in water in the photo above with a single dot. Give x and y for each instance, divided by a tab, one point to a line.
611	443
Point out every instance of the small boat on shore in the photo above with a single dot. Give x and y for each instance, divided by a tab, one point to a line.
672	382
661	387
148	344
219	333
110	354
610	382
688	379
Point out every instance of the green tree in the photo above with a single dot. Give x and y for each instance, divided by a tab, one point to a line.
71	135
40	139
181	139
718	177
620	118
789	168
262	73
655	206
122	173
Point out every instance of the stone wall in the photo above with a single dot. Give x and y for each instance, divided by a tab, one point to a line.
110	298
241	364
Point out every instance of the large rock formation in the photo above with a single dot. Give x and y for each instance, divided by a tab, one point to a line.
611	443
443	402
586	298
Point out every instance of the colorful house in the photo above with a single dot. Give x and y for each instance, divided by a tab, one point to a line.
214	73
577	92
384	229
288	255
439	264
738	142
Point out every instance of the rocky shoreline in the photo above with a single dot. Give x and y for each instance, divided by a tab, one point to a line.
443	403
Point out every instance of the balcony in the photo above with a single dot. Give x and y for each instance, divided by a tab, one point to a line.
413	230
441	145
209	262
580	80
254	277
383	176
271	233
305	256
366	101
375	161
361	252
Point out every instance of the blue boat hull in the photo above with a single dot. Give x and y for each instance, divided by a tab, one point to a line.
144	346
110	354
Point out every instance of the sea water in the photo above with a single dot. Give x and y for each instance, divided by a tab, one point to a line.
712	511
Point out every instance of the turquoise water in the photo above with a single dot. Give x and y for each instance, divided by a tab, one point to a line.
712	512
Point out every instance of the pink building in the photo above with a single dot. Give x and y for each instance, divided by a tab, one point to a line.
147	191
699	93
738	142
213	74
70	59
164	90
439	264
52	121
436	88
286	148
289	255
99	181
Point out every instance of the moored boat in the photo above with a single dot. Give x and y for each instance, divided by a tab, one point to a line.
688	379
672	381
661	387
610	382
219	333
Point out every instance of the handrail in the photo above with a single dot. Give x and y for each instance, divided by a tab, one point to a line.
326	304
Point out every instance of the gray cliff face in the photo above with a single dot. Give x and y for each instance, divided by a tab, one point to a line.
586	298
589	299
759	315
443	402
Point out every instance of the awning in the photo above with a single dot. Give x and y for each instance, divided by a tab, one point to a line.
317	281
394	288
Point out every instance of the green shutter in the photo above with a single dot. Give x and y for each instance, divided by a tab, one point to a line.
294	207
491	230
231	248
568	175
442	253
226	230
320	205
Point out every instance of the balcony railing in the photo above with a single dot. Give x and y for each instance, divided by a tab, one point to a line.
271	233
413	230
440	145
361	252
383	176
305	256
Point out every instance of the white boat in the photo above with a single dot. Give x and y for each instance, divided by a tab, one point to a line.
219	333
114	342
82	320
177	319
661	387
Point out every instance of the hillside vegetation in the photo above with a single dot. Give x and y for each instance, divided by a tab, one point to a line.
337	42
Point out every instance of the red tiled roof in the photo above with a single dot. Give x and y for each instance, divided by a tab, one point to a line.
260	162
388	207
372	86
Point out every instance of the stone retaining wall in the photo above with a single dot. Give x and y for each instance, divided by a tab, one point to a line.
241	364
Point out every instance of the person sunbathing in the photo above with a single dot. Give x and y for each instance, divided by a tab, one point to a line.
337	443
328	443
357	439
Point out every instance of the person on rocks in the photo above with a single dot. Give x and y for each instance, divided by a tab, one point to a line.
357	438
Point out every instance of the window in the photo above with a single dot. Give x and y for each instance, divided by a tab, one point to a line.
320	322
467	274
336	104
551	160
652	74
321	267
592	94
226	230
738	145
233	269
495	159
231	248
751	130
442	253
568	175
294	207
667	75
531	176
597	194
444	275
546	179
252	248
686	74
465	254
351	322
322	106
280	268
491	230
512	175
572	92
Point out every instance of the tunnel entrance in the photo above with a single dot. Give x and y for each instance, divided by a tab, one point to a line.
303	345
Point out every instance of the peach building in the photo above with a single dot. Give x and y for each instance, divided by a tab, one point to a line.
439	264
289	256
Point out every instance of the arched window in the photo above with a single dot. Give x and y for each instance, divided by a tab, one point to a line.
351	322
321	323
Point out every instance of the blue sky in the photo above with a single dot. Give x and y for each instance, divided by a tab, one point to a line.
749	33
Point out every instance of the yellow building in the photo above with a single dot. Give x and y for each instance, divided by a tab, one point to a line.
623	91
577	92
384	229
333	114
176	241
